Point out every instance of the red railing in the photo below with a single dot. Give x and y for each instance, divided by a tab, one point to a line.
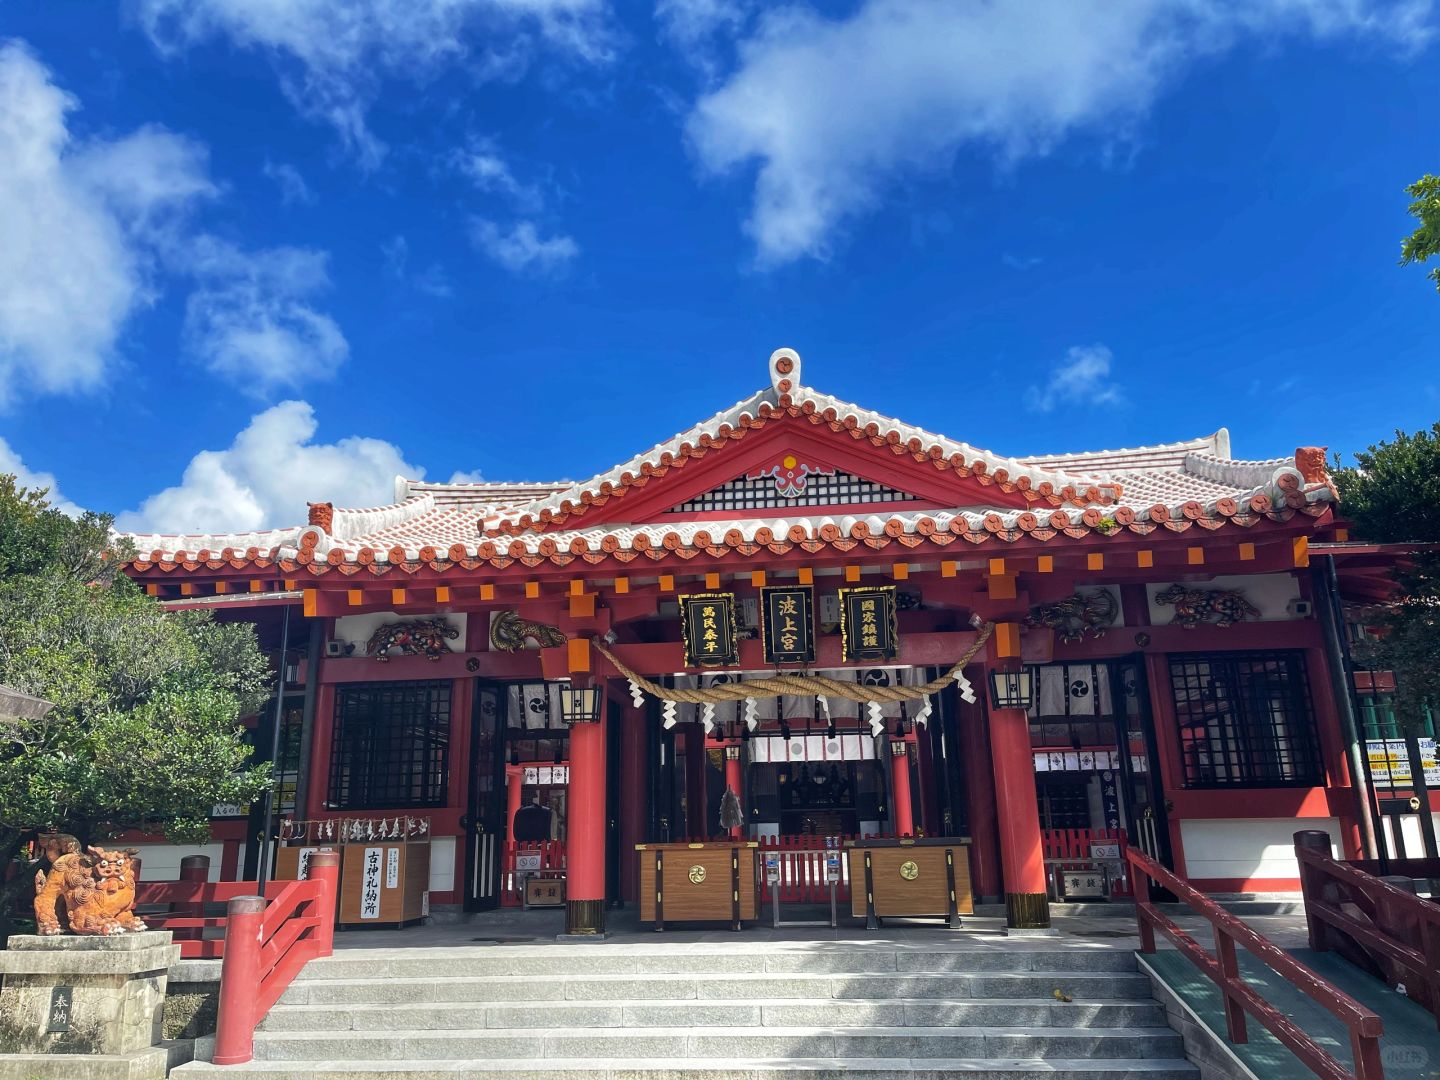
1374	922
267	943
1239	997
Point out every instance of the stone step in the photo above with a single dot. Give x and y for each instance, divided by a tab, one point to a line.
590	960
895	1012
721	1043
1081	986
736	1068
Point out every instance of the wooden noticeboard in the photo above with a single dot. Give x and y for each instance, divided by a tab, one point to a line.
903	878
698	883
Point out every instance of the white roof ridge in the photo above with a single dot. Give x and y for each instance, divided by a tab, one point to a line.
1217	440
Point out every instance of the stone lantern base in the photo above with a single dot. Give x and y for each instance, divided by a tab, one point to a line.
84	1007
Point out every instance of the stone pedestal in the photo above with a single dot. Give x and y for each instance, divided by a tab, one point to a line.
87	1007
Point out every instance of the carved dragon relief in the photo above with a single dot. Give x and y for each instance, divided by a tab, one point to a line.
509	632
90	892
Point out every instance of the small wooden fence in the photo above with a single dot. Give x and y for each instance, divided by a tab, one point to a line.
1239	997
1377	923
552	857
1067	849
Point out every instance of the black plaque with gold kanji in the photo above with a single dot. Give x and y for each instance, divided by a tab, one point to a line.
868	629
707	622
787	624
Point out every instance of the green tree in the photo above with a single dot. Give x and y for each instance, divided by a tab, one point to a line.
1424	241
145	731
1392	495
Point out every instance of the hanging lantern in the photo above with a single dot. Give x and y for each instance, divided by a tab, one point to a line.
1012	689
580	705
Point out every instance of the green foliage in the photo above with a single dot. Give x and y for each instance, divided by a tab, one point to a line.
1424	241
1392	495
145	732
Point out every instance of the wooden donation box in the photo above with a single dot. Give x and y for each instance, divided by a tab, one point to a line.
384	866
712	882
910	877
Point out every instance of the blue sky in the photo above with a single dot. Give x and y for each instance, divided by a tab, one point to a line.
258	252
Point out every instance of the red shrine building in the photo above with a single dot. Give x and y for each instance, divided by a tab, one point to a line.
1043	655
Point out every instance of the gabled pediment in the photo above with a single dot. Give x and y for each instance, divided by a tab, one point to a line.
789	421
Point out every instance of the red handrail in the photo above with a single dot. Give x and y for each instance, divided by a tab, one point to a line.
1239	997
266	946
1389	923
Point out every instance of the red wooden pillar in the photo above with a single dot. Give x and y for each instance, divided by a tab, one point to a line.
1013	762
979	792
902	814
514	789
735	780
696	826
585	829
1021	854
634	787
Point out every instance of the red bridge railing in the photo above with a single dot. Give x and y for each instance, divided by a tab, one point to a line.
1240	998
1377	923
267	941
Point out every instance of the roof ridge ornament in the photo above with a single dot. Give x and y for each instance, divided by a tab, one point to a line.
785	371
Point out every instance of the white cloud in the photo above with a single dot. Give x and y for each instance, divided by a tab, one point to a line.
833	112
432	281
520	248
267	475
77	229
292	185
463	476
250	320
1082	378
694	26
485	167
10	464
331	55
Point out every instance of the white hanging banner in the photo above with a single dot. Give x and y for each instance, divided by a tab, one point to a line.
752	720
668	712
707	717
967	692
636	694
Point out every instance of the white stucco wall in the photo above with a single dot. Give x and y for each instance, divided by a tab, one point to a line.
1248	847
161	862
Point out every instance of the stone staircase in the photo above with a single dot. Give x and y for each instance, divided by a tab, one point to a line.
602	1012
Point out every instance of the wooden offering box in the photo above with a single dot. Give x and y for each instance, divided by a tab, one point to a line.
384	881
712	882
903	878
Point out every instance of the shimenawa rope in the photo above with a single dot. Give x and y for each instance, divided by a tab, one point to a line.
800	685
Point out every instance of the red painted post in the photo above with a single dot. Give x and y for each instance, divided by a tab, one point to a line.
1312	885
903	817
514	788
1142	908
585	844
734	780
239	981
325	869
194	869
1230	982
1021	852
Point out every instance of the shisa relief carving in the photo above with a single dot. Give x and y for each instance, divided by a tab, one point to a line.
1194	607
